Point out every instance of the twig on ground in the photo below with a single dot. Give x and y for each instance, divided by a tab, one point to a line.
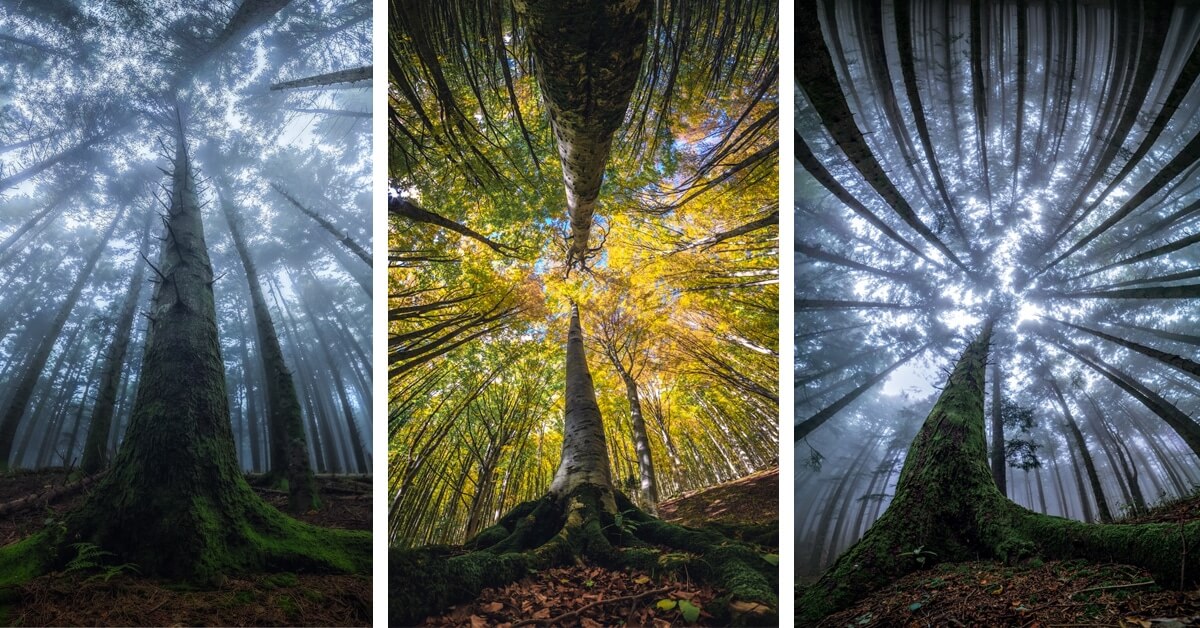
575	613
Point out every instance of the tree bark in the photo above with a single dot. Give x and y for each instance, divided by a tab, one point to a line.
175	501
587	58
340	235
289	468
1088	463
999	461
806	427
329	79
584	451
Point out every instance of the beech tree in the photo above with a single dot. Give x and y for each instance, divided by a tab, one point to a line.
545	159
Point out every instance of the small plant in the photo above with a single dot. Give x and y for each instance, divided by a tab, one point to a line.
687	610
624	523
89	557
920	554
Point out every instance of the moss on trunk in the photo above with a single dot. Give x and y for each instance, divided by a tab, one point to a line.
947	509
550	532
175	503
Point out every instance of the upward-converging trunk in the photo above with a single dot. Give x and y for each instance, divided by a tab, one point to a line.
289	448
95	448
33	371
580	517
947	508
587	58
175	502
584	451
998	458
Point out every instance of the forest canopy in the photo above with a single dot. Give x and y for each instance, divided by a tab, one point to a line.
90	94
1010	173
184	204
604	174
677	286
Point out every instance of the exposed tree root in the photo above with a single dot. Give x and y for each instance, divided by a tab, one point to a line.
202	544
549	532
947	509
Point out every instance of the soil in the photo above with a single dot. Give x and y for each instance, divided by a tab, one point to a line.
751	499
1033	593
589	596
122	598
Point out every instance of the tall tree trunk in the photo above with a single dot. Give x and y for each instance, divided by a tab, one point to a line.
999	461
806	427
340	235
329	79
95	448
647	478
1183	425
587	58
358	448
289	450
584	452
175	501
36	169
1088	464
24	388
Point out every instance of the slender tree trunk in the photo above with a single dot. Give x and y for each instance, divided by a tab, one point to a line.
329	79
340	235
95	448
1077	438
289	451
999	461
358	448
344	113
806	427
20	399
36	169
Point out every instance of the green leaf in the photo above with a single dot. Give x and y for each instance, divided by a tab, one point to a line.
772	558
589	583
665	605
915	606
690	611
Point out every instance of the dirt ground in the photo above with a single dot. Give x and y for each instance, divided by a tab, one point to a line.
1033	594
125	599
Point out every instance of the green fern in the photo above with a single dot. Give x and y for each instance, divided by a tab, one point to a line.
89	557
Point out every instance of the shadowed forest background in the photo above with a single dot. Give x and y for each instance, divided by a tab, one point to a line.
602	178
184	227
996	212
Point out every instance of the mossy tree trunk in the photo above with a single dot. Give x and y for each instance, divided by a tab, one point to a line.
289	467
947	508
581	517
175	502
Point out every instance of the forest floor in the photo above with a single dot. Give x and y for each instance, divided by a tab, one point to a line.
1034	594
589	596
126	599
